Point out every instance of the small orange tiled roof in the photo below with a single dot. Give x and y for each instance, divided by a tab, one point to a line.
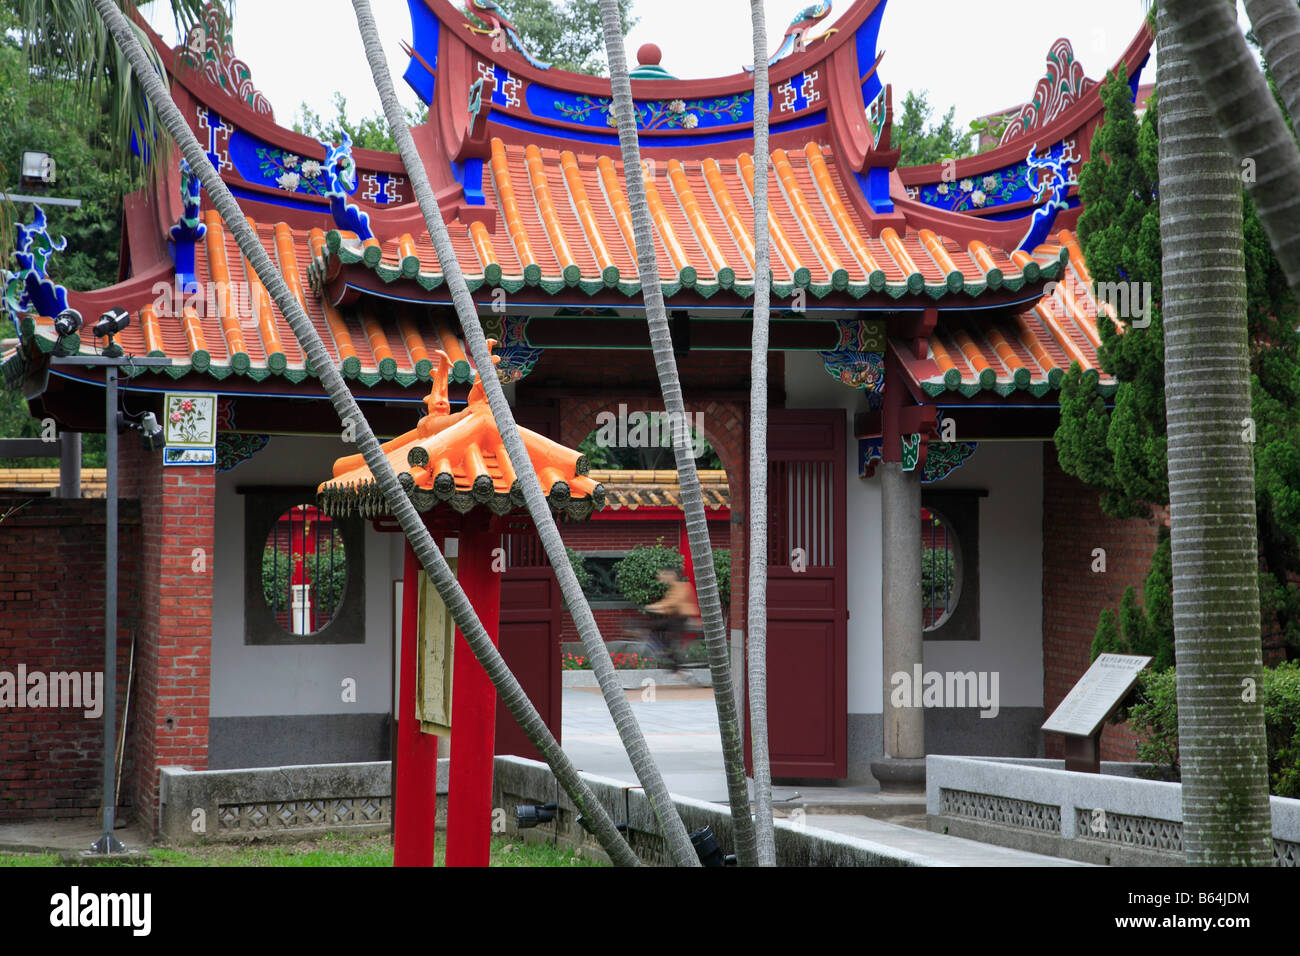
647	488
1031	350
563	222
460	460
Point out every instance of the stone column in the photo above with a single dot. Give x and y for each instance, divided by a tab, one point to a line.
903	766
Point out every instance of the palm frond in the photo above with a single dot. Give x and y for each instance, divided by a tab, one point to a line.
65	42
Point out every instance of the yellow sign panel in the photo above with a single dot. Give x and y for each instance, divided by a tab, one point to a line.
437	632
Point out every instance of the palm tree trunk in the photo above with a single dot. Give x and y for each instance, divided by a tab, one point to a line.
1277	27
1248	117
670	822
512	694
756	635
1226	819
697	528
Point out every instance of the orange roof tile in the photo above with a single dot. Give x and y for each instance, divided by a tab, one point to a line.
460	460
564	223
1030	350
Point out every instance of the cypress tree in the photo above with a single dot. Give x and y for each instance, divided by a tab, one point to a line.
1120	449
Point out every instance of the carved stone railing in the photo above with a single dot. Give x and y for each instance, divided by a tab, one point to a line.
1115	817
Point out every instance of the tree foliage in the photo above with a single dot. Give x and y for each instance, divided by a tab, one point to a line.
1120	449
637	575
923	141
567	35
367	132
46	112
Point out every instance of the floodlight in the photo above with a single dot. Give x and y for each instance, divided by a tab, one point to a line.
37	166
150	432
528	815
68	322
707	849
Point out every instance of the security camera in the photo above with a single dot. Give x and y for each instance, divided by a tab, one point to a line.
110	324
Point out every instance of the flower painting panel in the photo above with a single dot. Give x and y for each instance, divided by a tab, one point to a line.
190	418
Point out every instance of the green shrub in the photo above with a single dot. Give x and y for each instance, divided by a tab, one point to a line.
1282	726
637	574
936	572
277	570
1155	721
579	568
722	570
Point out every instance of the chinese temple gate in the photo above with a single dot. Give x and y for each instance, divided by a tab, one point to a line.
922	321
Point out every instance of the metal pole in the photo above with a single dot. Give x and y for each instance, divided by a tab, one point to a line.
69	464
108	843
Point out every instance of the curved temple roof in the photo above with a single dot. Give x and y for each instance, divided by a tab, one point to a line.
529	177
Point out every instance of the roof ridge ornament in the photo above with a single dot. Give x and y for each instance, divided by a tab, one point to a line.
1059	164
209	50
500	29
340	171
796	34
1063	85
30	289
188	230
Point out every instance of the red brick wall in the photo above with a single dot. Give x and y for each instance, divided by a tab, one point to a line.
1074	596
52	619
176	512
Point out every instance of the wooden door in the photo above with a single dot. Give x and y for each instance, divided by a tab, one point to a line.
531	614
807	637
529	638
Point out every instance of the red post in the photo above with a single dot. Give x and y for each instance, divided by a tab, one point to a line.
473	702
684	546
416	802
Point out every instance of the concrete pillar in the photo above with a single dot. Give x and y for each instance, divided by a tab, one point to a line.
903	767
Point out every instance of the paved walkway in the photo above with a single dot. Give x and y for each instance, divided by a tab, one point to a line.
683	736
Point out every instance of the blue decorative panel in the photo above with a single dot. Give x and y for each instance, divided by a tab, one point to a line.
1011	184
867	39
424	41
596	111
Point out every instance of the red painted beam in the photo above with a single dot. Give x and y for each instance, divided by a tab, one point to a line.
416	801
473	703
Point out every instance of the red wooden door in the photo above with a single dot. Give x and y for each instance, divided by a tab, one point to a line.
531	614
807	630
530	638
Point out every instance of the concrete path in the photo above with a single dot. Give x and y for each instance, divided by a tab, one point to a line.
683	736
60	836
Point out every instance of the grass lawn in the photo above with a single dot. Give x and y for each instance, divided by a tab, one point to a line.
329	850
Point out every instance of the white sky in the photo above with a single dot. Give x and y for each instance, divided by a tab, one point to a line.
979	55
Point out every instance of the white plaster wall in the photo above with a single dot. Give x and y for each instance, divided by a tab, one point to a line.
809	385
1011	572
255	681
